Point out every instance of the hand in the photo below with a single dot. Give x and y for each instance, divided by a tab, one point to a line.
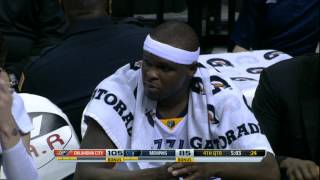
5	98
238	48
190	171
164	174
298	169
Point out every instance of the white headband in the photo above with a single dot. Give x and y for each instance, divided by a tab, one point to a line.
170	53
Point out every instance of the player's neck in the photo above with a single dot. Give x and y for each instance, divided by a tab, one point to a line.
173	105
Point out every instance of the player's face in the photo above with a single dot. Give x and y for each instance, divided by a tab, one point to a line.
163	79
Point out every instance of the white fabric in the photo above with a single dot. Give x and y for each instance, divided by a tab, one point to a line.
18	164
162	135
228	115
43	137
20	115
42	110
170	53
164	138
36	103
243	68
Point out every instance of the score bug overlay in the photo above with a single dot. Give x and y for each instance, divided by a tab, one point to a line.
173	155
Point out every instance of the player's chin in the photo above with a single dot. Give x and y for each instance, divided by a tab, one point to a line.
152	94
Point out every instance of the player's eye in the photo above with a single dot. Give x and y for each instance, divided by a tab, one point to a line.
146	63
166	69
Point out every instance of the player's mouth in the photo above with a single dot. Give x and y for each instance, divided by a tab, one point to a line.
151	86
151	90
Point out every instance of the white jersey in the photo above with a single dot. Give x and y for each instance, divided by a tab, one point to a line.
170	135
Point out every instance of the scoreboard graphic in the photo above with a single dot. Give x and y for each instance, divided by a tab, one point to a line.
174	155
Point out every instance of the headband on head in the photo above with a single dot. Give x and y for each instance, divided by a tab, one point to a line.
170	53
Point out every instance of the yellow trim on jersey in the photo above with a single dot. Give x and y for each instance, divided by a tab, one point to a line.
171	123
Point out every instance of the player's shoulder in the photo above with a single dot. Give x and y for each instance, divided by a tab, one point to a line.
126	75
292	72
296	64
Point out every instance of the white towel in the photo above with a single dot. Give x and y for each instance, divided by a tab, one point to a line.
20	115
243	68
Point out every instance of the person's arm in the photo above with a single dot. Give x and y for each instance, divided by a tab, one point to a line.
245	32
238	48
14	144
267	169
266	106
9	133
96	138
300	169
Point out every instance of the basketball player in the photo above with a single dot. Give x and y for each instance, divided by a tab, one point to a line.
167	101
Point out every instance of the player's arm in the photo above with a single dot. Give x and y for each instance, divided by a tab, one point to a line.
9	132
96	138
267	169
15	145
10	135
300	169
